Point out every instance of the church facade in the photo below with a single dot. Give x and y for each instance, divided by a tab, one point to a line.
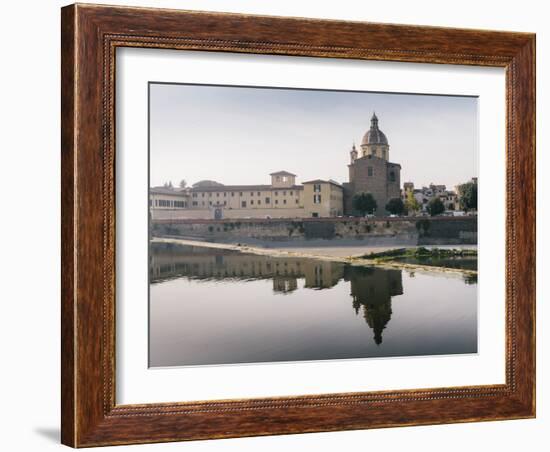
370	171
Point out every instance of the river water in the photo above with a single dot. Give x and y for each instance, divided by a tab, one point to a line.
213	306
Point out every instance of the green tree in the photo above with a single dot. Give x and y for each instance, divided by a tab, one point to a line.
468	196
183	183
412	205
435	206
395	206
364	203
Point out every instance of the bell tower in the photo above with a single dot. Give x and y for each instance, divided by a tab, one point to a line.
353	153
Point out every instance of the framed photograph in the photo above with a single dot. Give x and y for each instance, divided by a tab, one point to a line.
282	225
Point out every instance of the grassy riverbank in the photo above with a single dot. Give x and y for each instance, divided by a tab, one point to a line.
437	257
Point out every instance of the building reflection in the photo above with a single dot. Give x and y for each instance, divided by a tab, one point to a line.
169	261
372	289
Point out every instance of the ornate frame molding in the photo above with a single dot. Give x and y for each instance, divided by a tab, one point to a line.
90	37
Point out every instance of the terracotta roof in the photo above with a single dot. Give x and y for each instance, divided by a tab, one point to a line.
282	173
245	188
321	181
168	191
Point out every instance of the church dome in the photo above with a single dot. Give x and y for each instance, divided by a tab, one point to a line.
374	135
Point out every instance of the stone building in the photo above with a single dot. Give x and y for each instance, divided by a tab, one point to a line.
424	195
323	198
370	171
283	198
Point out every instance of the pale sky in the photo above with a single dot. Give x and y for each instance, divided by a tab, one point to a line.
238	135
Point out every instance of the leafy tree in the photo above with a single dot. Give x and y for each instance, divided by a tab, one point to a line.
435	206
364	203
468	196
183	183
395	206
412	205
168	184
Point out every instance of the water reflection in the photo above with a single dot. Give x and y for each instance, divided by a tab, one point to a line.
168	261
266	332
372	290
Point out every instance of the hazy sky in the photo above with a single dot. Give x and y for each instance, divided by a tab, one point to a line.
239	135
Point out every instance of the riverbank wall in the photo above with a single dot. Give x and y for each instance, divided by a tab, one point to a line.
396	231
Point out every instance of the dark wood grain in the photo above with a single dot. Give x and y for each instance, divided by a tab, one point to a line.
90	36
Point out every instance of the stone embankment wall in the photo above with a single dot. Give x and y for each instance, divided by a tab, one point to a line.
409	230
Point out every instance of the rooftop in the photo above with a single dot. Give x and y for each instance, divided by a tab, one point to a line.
244	188
168	191
321	181
374	135
282	173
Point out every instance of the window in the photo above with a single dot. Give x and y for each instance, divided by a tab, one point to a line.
209	195
259	194
316	199
202	195
194	195
370	171
284	193
232	193
217	195
180	204
267	200
225	203
224	194
195	203
150	203
251	193
240	193
290	193
209	203
284	201
316	187
392	176
296	201
276	193
251	202
243	204
315	214
276	201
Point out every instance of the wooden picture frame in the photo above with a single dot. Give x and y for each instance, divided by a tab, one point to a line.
90	35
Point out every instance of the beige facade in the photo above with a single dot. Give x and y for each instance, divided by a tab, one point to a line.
283	198
323	199
163	198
